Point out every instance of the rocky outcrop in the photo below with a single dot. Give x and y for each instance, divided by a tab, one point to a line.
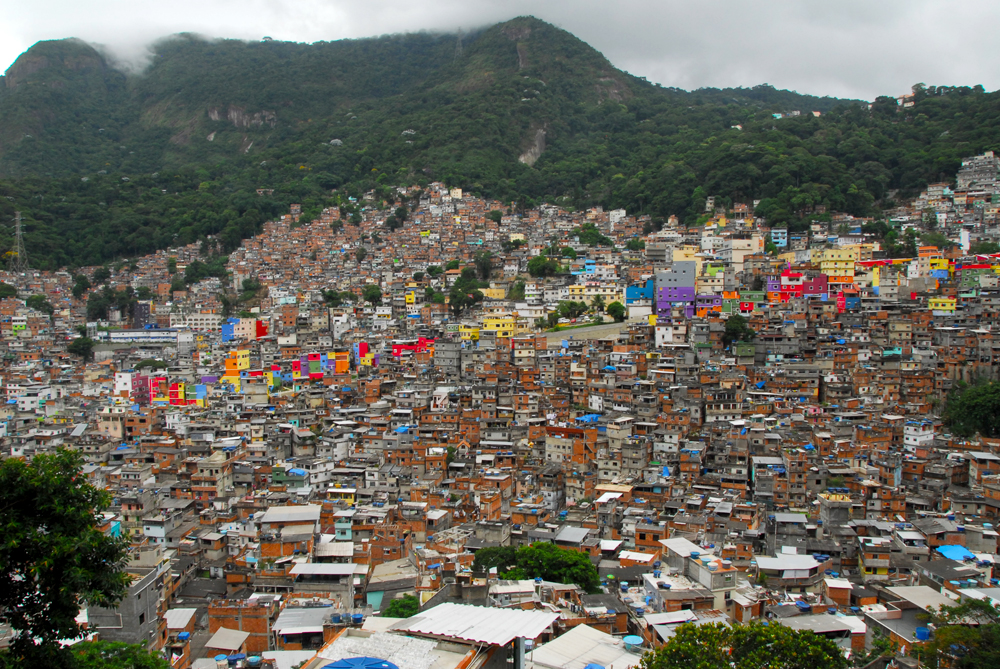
534	152
242	119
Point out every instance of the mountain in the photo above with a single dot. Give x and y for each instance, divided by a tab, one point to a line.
105	163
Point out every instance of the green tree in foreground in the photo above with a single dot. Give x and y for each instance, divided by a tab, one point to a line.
753	646
53	557
966	636
7	290
975	408
402	607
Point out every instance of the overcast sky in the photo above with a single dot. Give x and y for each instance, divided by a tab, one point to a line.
846	48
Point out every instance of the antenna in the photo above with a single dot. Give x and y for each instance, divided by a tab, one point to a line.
18	256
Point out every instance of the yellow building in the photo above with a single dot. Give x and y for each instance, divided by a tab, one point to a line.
493	293
468	332
505	325
586	292
689	252
942	305
838	265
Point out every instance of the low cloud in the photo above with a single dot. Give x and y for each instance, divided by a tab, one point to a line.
850	48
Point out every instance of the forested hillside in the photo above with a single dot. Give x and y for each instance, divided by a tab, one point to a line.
104	164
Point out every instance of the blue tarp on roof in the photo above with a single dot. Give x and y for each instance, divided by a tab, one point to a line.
955	552
402	430
361	663
761	384
295	471
589	418
609	368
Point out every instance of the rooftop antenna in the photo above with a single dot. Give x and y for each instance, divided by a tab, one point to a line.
18	256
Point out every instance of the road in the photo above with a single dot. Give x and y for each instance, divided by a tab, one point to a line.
595	332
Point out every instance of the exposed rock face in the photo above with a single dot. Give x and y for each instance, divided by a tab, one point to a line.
242	119
530	156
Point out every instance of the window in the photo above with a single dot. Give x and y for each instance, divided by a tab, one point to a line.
142	618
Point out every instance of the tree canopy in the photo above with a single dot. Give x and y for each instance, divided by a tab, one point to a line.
966	636
540	560
402	607
737	330
974	408
753	646
54	556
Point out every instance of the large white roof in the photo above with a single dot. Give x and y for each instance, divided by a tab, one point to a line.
289	514
581	646
324	568
479	624
177	619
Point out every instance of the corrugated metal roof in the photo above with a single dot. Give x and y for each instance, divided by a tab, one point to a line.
301	619
325	568
479	624
581	646
177	619
227	639
285	514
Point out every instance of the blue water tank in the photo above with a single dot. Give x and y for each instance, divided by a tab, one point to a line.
335	618
357	618
624	587
254	661
184	636
923	633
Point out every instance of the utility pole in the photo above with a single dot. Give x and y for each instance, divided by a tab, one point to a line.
18	256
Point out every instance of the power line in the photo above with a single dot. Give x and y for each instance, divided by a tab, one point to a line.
18	256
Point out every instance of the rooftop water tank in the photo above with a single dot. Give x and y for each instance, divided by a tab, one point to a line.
923	633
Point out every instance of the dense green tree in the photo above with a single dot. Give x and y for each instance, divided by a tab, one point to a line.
753	646
402	607
617	311
737	330
452	264
591	236
54	558
972	409
484	265
172	265
372	293
81	346
40	303
552	563
501	558
986	248
542	266
496	215
361	254
435	271
571	309
966	636
113	655
635	244
7	290
101	275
